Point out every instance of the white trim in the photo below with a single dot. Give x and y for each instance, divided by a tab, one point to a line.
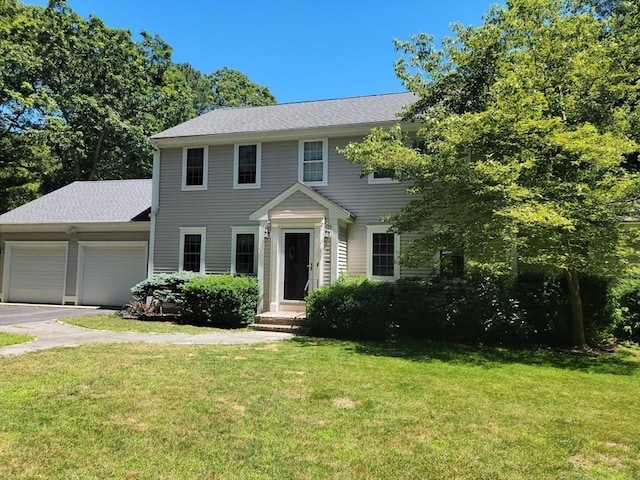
236	163
83	245
281	268
371	229
6	271
356	129
155	205
380	181
244	230
335	210
202	231
205	168
325	161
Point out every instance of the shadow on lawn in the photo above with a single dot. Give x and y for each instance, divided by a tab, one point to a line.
621	363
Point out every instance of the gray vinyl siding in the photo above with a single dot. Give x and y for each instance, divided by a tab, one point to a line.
220	206
72	255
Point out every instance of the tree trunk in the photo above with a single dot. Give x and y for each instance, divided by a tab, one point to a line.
577	317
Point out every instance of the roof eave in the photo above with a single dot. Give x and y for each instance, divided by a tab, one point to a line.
78	227
278	135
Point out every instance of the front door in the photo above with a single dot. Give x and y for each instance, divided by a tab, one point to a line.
296	265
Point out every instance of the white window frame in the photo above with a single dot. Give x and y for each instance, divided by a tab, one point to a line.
382	180
325	161
236	166
202	231
244	230
371	229
205	168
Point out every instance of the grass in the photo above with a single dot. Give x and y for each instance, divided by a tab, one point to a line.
317	409
118	324
7	339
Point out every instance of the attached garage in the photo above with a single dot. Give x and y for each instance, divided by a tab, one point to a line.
83	244
35	272
107	271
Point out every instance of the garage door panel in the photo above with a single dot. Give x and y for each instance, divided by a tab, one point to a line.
37	274
110	272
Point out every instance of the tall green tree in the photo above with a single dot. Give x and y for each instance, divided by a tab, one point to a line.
79	99
528	139
233	88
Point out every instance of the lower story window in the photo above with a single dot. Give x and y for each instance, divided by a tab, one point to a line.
382	253
192	244
451	264
244	251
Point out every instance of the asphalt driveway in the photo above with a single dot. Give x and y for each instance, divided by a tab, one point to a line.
40	322
12	313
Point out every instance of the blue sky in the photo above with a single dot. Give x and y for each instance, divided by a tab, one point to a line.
301	50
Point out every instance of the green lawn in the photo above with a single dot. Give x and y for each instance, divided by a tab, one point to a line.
318	409
7	339
118	324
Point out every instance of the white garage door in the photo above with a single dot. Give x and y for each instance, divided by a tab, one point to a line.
36	272
108	271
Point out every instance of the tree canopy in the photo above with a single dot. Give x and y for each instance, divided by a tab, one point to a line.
79	99
528	140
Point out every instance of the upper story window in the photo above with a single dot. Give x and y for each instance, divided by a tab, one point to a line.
313	159
244	250
382	176
192	248
382	253
247	160
195	162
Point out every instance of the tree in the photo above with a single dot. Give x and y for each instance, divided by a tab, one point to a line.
529	130
78	99
234	89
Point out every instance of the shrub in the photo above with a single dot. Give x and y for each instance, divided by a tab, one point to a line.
221	300
164	287
419	308
626	297
351	308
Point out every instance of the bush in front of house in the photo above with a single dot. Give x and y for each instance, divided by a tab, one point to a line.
164	288
220	300
351	308
530	309
626	324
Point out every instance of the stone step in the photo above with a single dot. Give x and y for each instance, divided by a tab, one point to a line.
293	322
266	327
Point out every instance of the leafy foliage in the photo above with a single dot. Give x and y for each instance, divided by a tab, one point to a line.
529	140
163	287
351	308
627	316
221	300
79	99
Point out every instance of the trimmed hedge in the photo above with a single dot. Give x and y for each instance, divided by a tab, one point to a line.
531	309
351	308
221	300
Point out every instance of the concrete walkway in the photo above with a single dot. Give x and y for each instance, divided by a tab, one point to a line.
53	334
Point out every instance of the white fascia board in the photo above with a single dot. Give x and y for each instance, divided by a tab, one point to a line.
277	135
142	226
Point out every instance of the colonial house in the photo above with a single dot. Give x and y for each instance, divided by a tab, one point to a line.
255	190
265	191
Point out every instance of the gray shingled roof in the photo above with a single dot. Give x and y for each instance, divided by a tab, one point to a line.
291	116
86	202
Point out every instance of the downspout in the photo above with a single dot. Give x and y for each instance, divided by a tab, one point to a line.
155	195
